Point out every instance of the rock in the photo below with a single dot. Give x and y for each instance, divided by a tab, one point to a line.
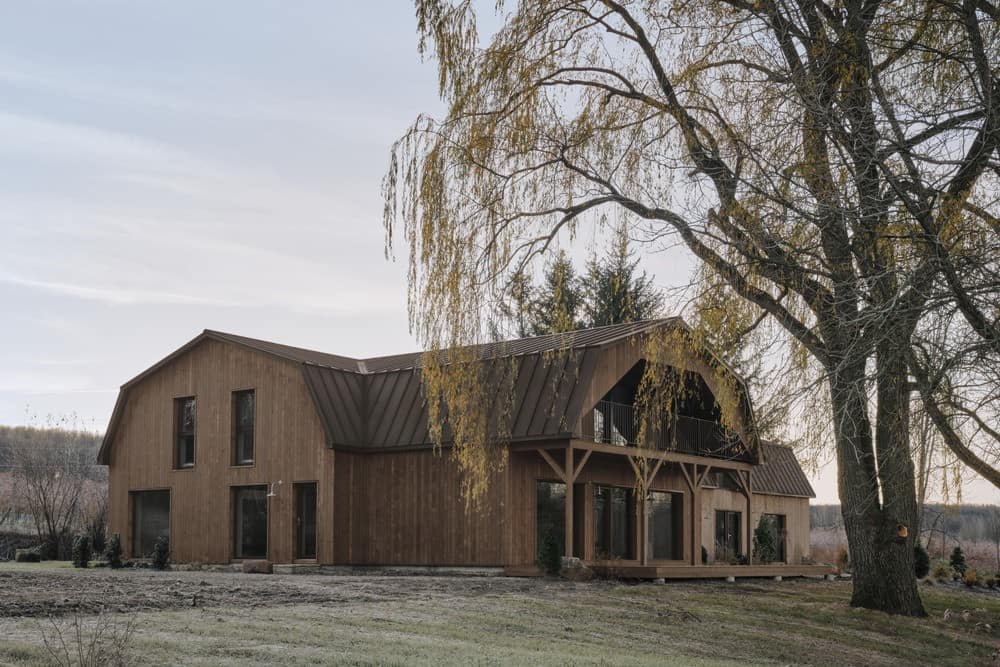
257	567
574	570
730	580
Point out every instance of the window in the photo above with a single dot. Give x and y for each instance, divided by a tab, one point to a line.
664	522
243	423
550	515
614	523
776	526
250	518
727	536
150	520
305	520
184	412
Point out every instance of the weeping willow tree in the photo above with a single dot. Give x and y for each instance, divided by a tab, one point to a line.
817	159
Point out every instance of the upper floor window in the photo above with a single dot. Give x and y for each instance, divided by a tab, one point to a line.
184	411
243	423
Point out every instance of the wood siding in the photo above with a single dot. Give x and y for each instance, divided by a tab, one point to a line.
406	508
289	446
796	511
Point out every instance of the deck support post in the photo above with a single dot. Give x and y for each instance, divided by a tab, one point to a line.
570	479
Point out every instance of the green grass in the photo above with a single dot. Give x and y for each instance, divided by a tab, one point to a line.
686	623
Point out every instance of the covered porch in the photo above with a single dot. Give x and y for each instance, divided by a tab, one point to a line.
634	512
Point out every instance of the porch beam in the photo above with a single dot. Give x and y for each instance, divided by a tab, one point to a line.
552	464
579	466
666	455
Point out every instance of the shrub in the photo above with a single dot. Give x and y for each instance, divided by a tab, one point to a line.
113	551
843	560
704	555
764	548
161	553
971	578
32	555
921	561
942	570
549	558
958	560
103	642
81	550
991	582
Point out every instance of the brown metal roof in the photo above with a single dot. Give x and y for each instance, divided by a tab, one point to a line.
780	474
379	403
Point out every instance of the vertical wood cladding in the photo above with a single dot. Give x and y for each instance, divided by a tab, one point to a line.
289	446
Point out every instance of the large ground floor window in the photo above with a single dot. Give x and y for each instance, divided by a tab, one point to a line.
250	521
614	523
550	515
727	536
150	520
664	525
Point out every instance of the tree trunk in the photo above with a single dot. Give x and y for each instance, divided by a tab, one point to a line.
882	561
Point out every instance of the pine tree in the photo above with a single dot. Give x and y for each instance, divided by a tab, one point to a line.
921	561
764	548
958	560
558	303
616	290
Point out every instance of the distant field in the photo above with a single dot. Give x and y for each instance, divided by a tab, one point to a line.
235	619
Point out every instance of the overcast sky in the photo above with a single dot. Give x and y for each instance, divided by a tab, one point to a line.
175	166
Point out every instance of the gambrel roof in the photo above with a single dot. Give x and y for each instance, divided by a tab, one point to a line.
379	403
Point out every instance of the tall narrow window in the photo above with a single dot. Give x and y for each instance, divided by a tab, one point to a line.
250	519
184	410
776	526
614	523
663	526
550	515
243	426
727	536
305	520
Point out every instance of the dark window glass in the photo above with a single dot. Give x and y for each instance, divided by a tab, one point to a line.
663	525
185	410
550	515
243	422
776	525
614	523
305	520
251	521
150	520
727	536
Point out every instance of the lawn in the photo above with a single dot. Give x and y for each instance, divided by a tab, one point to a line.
235	619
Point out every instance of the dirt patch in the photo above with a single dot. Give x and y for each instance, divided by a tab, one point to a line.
57	592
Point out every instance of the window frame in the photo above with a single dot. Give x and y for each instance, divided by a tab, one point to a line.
297	520
631	528
179	403
134	496
678	539
237	430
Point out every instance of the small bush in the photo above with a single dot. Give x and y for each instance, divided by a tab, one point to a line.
764	548
81	550
549	558
921	561
161	553
942	570
958	560
704	555
971	578
113	551
79	642
843	560
991	582
32	555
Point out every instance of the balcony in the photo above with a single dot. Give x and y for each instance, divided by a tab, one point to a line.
618	424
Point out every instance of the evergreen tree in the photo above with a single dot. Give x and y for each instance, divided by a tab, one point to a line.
556	309
764	548
958	560
616	291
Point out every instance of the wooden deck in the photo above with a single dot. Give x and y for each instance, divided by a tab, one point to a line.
628	571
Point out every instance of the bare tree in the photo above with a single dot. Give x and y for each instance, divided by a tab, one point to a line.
49	478
814	157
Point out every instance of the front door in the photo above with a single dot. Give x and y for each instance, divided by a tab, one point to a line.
305	520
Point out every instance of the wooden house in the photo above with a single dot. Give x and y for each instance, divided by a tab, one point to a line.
242	449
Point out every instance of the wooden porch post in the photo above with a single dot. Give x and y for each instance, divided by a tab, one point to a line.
749	521
570	479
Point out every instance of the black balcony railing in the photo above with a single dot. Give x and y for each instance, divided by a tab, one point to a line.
618	424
